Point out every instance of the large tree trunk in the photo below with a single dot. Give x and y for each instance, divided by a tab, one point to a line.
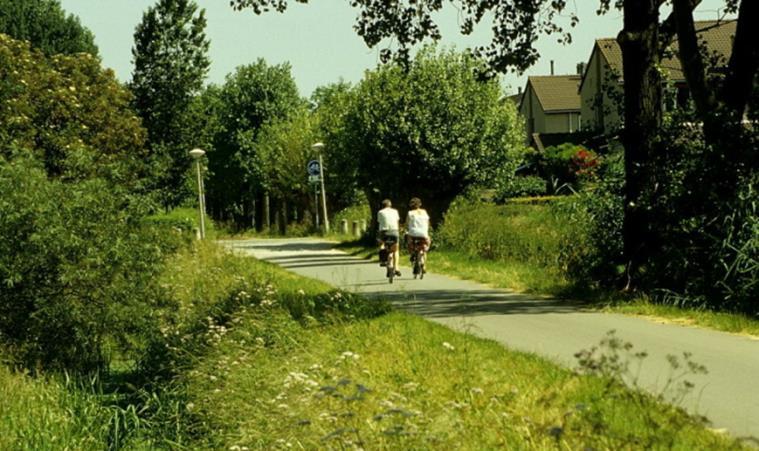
643	94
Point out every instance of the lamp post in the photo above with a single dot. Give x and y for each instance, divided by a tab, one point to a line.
197	154
318	148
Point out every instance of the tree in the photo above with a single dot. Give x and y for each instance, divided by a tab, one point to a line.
170	64
46	26
70	114
251	97
282	150
517	24
432	130
78	266
330	104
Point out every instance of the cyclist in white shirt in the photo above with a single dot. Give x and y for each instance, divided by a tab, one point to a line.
417	224
388	221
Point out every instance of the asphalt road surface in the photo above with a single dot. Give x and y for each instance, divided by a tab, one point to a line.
728	395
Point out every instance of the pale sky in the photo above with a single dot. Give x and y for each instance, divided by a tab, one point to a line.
319	41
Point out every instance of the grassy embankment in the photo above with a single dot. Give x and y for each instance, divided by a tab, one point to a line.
400	382
47	413
275	360
517	247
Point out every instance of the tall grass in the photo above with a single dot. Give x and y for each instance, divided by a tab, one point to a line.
49	413
514	245
400	382
185	220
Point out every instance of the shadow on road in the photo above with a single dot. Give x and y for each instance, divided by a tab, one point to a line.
432	297
278	246
447	302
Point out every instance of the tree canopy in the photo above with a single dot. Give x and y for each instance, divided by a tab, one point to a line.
170	65
70	114
251	97
46	26
433	131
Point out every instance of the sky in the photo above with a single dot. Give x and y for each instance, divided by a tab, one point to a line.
318	39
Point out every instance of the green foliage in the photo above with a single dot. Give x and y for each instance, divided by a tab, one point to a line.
282	150
565	166
431	131
183	223
70	114
523	186
77	270
170	64
331	103
251	97
47	413
704	218
526	233
360	212
46	26
592	253
213	289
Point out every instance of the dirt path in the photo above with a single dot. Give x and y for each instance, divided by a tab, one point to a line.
727	395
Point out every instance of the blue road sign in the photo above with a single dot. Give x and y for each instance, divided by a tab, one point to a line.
313	167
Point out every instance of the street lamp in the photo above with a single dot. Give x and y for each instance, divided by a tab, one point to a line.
197	154
318	148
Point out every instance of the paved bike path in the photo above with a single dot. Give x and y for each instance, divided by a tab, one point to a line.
727	395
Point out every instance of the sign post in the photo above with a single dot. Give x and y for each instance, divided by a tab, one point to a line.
314	170
324	194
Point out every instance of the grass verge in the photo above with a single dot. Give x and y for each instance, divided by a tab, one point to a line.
400	382
726	322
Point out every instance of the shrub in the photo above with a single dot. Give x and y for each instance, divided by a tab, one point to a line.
566	165
519	232
592	253
524	186
704	219
77	270
71	114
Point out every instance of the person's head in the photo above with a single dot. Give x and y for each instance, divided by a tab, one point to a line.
415	203
386	203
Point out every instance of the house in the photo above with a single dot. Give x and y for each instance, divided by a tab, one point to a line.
551	106
601	91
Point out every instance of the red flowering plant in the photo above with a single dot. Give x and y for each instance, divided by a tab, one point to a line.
584	163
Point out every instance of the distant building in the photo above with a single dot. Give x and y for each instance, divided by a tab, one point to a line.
551	106
601	89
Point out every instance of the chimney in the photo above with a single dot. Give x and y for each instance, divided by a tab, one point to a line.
551	67
519	90
580	68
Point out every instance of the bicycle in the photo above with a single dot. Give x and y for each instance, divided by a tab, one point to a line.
418	256
387	257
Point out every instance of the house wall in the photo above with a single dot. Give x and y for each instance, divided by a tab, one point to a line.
560	122
530	105
538	121
599	109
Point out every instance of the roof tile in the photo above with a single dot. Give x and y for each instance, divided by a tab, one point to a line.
556	92
716	35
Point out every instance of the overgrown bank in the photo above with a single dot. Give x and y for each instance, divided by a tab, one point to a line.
253	356
400	382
